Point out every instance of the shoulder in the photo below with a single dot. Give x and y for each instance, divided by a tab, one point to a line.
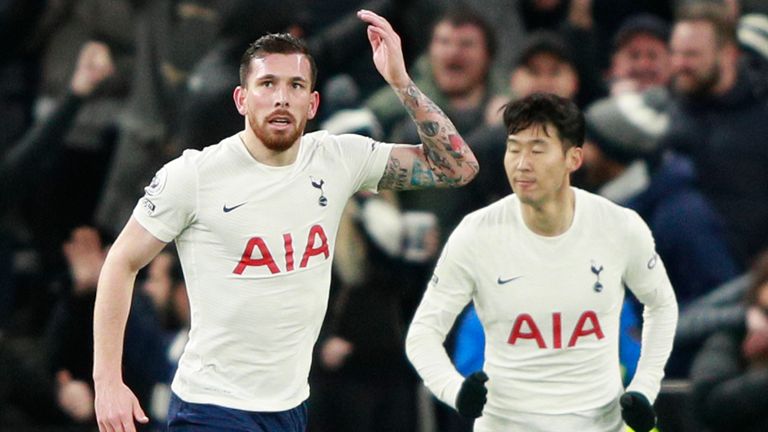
604	214
490	218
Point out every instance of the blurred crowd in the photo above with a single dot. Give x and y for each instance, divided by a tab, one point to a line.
97	95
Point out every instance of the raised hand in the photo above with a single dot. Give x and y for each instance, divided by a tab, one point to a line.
85	256
94	65
387	49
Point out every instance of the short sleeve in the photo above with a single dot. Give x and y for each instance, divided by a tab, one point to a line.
170	200
365	159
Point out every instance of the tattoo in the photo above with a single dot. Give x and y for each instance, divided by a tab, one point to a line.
421	176
394	176
430	128
443	159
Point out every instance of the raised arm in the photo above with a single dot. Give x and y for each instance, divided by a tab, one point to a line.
116	406
442	159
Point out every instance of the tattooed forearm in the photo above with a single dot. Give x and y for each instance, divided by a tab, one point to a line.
448	157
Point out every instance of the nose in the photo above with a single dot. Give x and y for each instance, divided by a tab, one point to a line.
281	97
523	161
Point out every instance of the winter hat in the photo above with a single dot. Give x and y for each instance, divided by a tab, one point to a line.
629	126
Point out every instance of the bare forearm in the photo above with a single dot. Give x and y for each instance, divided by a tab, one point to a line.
113	301
446	154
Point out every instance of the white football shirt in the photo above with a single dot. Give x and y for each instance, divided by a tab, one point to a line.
550	310
255	243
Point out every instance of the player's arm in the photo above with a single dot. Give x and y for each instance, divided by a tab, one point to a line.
447	294
116	406
647	278
443	159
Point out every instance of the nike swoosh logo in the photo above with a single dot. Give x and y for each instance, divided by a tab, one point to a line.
229	209
501	281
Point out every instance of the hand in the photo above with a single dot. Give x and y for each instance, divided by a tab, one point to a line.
94	65
637	412
472	395
85	257
387	52
335	350
75	397
117	407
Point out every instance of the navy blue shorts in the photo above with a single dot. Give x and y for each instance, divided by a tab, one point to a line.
184	416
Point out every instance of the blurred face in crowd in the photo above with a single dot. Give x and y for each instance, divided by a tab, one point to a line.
696	62
538	166
459	58
644	60
545	73
278	99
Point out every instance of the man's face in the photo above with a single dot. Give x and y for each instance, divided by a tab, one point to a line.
537	167
643	59
459	58
695	58
277	101
545	73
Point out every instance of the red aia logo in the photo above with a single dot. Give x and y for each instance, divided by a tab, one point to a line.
525	328
264	256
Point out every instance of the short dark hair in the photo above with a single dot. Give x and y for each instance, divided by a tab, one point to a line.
462	14
275	43
714	14
540	109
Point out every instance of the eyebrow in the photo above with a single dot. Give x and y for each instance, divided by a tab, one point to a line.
273	76
534	141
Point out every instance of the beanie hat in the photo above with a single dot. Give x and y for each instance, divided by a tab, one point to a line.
629	126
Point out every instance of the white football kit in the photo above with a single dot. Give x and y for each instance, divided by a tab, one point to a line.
255	243
550	310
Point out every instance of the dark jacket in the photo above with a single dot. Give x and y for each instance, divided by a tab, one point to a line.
727	138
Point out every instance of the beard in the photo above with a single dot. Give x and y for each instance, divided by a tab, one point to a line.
276	141
702	83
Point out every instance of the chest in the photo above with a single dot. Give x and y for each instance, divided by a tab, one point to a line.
577	278
271	223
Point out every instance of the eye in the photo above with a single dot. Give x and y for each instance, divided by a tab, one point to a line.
267	84
298	85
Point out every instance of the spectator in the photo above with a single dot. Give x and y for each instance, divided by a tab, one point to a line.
730	374
719	120
640	57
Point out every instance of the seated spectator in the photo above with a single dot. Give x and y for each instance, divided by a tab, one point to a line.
730	373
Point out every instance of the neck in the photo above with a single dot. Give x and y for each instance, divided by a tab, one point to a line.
553	217
468	100
266	156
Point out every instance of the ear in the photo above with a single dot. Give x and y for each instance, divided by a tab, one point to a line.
314	104
239	96
574	158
